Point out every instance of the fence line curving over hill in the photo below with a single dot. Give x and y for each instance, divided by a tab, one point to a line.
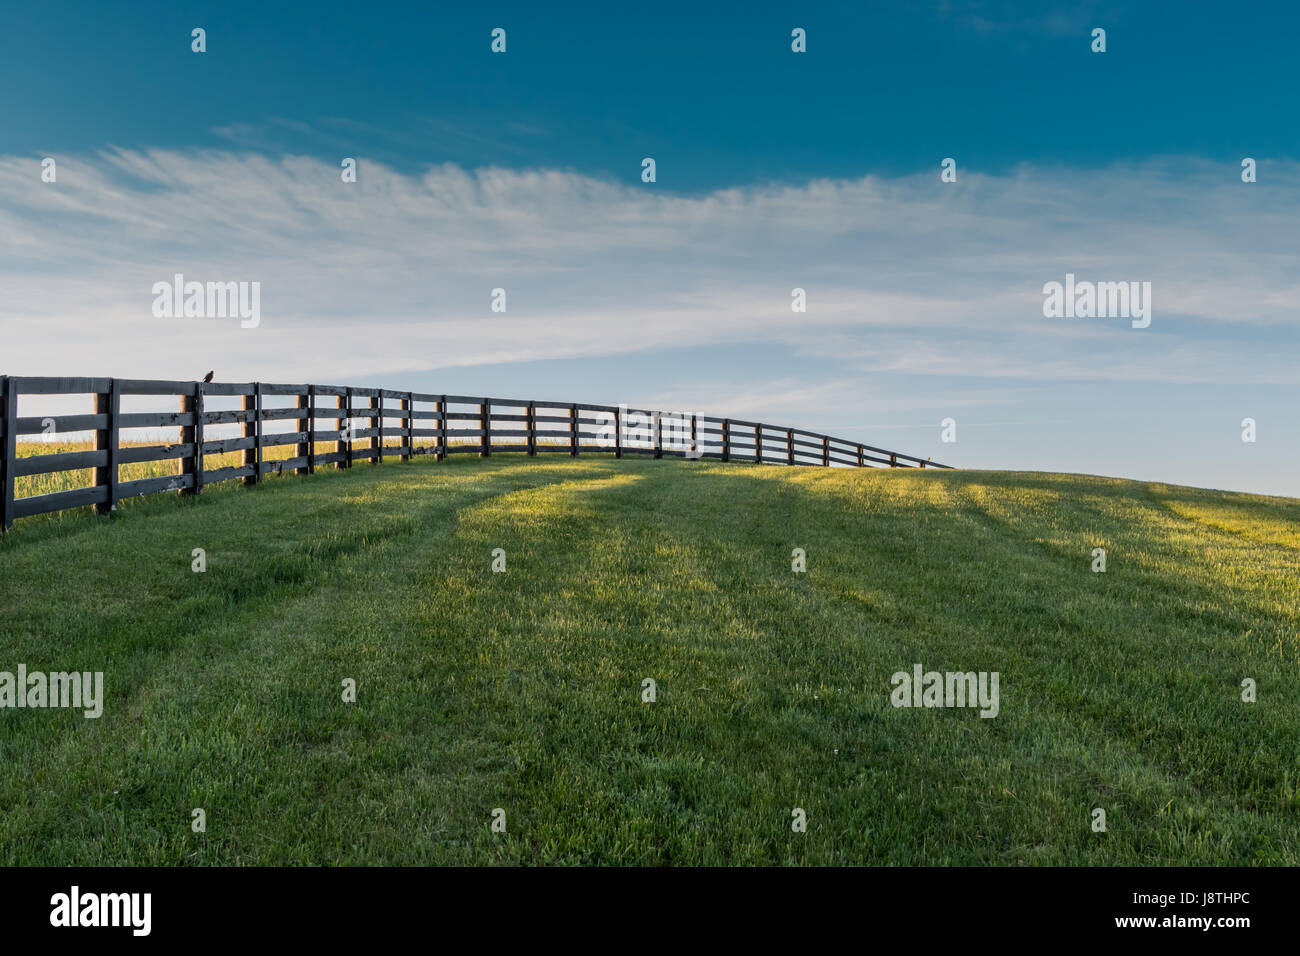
285	420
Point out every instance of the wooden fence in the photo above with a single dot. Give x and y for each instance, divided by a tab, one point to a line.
419	424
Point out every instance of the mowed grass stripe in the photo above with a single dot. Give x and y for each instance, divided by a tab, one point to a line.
522	690
238	652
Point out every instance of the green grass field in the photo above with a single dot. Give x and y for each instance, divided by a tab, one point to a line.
523	690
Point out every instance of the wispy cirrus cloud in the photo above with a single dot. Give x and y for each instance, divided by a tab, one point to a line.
395	271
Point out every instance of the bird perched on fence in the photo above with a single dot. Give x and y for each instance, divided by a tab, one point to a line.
208	377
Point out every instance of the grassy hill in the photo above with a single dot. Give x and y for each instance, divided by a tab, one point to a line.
522	690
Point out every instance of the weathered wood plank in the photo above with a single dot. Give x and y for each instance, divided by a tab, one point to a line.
66	461
227	388
276	439
298	390
221	446
60	501
40	385
153	420
279	466
137	386
63	424
233	416
225	474
149	486
284	414
133	454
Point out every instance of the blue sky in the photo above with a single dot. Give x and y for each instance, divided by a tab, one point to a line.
775	170
714	92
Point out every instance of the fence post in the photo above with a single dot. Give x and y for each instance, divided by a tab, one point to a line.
408	406
185	464
307	449
893	460
108	403
259	431
659	433
442	428
351	432
861	463
696	450
826	452
251	429
485	425
618	431
758	444
200	410
573	431
726	439
9	395
789	446
532	428
340	446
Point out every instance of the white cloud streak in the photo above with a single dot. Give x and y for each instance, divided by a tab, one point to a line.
394	273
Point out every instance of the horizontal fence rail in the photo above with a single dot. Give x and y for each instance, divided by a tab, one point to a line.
335	426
